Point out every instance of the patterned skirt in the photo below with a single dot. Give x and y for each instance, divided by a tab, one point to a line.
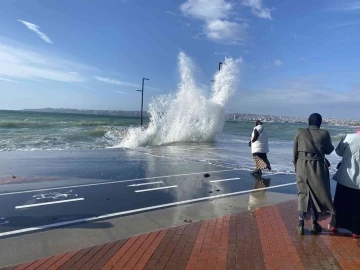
261	161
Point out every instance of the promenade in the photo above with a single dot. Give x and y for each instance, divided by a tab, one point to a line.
261	239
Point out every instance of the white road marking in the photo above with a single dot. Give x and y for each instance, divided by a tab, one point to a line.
223	180
3	221
47	203
144	184
112	182
76	221
151	189
54	195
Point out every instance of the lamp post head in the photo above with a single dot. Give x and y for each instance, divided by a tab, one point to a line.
146	79
220	64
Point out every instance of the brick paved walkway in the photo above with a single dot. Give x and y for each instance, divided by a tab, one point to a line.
264	239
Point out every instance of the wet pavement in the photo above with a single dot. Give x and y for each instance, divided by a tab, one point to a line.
262	239
100	184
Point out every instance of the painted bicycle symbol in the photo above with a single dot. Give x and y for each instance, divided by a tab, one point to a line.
55	195
3	221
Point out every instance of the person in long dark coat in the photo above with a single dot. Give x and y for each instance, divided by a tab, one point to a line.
312	173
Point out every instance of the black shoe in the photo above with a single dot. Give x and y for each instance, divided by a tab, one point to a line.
316	228
300	230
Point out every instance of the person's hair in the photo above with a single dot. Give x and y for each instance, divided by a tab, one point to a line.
258	122
315	119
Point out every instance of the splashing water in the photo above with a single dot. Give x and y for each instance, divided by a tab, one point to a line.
187	115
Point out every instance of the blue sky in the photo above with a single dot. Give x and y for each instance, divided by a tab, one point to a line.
298	56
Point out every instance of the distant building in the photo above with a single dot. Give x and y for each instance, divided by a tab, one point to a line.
233	116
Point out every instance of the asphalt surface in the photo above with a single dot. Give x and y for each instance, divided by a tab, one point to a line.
66	188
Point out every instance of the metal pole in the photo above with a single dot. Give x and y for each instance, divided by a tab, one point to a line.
142	100
220	64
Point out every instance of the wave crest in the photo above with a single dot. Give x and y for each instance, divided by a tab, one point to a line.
187	115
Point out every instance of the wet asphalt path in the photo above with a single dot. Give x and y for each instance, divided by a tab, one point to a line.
150	183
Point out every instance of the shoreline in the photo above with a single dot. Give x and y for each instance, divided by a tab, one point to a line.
55	165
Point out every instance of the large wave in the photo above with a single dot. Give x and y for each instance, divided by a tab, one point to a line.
187	115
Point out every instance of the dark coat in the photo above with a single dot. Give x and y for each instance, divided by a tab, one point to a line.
312	174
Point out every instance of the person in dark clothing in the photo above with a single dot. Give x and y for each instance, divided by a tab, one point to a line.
312	173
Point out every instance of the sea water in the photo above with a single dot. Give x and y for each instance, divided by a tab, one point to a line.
188	124
35	131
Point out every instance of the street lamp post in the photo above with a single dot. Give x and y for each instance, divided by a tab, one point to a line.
142	98
220	64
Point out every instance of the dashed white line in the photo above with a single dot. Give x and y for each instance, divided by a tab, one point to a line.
112	182
76	221
145	184
151	189
47	203
223	180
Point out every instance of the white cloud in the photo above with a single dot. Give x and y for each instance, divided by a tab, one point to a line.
85	87
170	13
353	6
114	81
201	9
216	18
35	28
184	23
225	31
349	23
118	92
117	82
345	5
278	62
7	80
24	64
258	9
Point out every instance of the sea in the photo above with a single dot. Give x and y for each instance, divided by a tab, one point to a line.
43	131
187	124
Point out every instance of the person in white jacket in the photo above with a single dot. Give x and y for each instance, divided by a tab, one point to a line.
259	148
347	194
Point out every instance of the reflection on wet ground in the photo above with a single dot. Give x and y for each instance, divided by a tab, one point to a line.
258	197
117	182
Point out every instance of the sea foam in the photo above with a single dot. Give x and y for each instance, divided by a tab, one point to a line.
187	115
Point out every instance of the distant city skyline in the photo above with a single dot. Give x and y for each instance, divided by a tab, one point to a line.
234	116
298	57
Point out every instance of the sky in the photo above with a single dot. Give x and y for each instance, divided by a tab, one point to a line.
298	57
